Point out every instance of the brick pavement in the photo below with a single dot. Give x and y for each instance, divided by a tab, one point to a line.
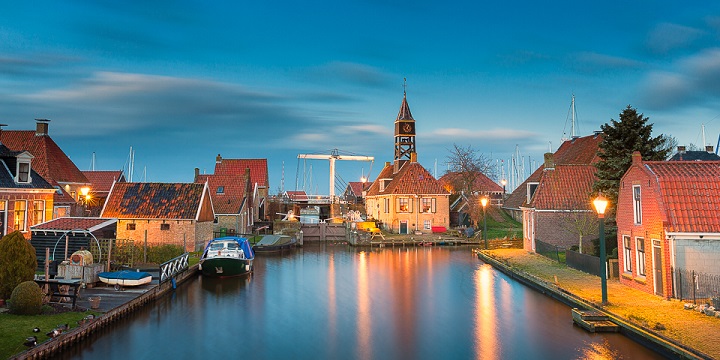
664	317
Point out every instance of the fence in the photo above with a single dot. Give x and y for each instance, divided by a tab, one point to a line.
587	263
689	284
551	251
128	252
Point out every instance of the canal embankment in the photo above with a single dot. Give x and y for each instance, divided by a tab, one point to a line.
662	325
116	304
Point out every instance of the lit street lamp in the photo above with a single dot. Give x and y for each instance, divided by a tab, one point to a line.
601	203
85	192
484	201
503	182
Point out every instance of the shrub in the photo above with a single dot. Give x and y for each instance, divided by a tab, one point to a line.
26	299
17	262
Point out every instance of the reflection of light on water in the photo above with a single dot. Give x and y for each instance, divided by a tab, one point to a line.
363	315
486	341
599	351
332	306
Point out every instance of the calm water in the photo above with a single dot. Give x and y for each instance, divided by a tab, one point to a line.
338	302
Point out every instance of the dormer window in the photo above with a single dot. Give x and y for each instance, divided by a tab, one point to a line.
221	190
22	169
531	187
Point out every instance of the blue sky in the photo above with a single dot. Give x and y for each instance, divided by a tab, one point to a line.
183	81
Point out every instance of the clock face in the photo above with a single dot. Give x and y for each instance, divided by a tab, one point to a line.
406	128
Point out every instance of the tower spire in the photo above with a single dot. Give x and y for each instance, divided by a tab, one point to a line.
404	132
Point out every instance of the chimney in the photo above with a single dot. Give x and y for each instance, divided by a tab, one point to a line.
197	173
637	158
1	126
41	129
218	159
549	161
681	149
709	148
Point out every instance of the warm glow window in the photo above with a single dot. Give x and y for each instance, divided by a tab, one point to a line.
61	211
640	253
130	227
20	215
627	254
38	211
637	205
403	205
428	205
3	216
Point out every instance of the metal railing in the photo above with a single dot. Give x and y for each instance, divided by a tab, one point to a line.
173	267
690	284
549	250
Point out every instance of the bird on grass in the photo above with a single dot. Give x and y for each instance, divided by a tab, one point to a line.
30	341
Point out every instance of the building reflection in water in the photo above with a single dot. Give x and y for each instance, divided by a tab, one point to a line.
364	331
486	315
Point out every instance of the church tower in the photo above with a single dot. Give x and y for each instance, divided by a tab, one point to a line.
404	135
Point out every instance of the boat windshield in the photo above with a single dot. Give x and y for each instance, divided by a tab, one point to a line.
217	246
233	246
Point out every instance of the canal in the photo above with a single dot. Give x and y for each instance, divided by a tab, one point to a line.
339	302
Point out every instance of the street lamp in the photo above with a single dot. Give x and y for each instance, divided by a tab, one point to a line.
484	201
85	196
601	203
503	182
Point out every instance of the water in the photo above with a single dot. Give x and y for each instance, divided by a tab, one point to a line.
339	302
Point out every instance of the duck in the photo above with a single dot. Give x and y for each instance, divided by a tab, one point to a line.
54	333
36	329
30	341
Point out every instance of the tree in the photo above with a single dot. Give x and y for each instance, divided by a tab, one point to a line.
466	165
17	262
620	139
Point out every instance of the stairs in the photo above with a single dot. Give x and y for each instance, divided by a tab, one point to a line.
594	321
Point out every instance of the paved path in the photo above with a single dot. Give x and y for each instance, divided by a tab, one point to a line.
688	327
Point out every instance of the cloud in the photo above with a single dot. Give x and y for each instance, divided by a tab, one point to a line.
449	134
692	80
348	72
666	37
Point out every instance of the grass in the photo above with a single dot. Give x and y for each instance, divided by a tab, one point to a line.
508	228
15	328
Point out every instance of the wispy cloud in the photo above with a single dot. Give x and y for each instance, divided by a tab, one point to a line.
349	73
666	37
446	134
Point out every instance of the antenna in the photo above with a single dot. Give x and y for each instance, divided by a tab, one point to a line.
404	86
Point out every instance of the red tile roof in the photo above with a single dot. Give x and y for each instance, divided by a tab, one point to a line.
258	169
50	161
231	199
566	187
581	150
101	181
412	179
357	187
690	194
517	198
154	201
482	183
74	223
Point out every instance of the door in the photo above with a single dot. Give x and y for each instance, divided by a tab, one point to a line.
657	267
404	227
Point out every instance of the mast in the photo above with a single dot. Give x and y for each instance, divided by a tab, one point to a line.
572	127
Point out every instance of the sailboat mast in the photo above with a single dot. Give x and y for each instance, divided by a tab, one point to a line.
572	126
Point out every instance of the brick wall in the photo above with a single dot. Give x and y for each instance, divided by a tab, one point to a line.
558	228
415	220
189	233
7	222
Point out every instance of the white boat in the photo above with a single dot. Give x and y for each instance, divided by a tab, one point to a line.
125	278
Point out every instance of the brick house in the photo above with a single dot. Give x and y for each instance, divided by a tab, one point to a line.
26	198
232	198
162	213
52	164
355	191
100	183
460	209
259	182
667	217
554	202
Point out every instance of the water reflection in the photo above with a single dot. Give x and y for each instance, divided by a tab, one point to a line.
338	302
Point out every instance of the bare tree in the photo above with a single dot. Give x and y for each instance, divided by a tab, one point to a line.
581	223
466	164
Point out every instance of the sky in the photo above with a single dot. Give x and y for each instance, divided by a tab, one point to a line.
180	82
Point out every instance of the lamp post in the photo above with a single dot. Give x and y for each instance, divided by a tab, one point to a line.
484	201
84	191
601	203
503	182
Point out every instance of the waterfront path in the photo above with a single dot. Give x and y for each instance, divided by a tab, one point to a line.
667	318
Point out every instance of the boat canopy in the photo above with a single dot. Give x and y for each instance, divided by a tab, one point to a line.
270	240
242	242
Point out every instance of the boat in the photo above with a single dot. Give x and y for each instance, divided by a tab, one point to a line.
274	243
227	256
125	278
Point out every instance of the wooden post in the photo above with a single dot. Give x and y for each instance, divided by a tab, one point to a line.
47	268
67	242
110	245
145	249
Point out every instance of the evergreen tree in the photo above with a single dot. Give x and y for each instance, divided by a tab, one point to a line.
18	262
620	139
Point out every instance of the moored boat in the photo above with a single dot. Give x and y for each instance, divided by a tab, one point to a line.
125	278
227	256
274	243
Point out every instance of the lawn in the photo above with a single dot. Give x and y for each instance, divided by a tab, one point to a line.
14	329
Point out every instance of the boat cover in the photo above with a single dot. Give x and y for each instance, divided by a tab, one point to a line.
274	240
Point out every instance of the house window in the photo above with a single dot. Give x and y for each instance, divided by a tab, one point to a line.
427	225
130	226
640	256
428	205
637	205
627	254
38	211
403	205
221	190
387	206
61	211
215	220
23	174
164	226
20	214
531	187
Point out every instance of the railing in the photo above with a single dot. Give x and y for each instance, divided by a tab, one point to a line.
690	284
173	267
550	251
